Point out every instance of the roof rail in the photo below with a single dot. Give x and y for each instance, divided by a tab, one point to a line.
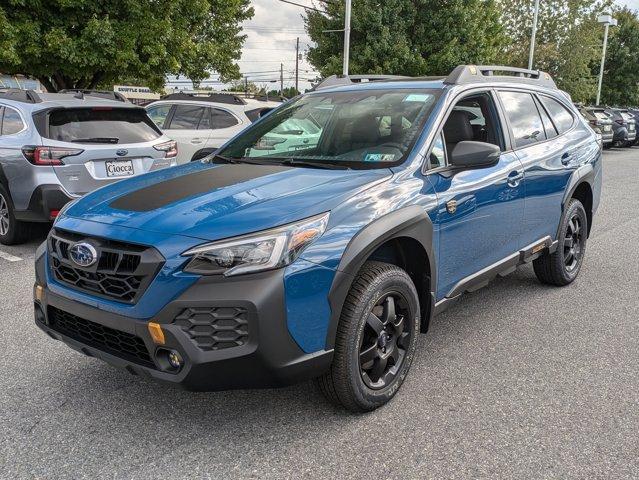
19	95
227	98
107	94
472	73
340	80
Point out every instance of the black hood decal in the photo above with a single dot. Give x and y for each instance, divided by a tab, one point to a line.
173	190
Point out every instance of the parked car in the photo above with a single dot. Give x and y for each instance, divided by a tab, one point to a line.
624	127
251	270
55	147
201	124
600	122
634	111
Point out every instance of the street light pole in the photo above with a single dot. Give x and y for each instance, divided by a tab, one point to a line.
347	35
607	21
533	36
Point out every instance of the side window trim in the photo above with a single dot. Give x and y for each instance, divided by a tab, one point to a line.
1	118
169	117
542	111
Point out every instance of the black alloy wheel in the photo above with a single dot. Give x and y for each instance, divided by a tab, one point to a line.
387	335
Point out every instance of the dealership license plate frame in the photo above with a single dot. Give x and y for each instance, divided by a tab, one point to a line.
128	173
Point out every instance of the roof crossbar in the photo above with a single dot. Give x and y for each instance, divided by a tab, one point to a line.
19	95
107	94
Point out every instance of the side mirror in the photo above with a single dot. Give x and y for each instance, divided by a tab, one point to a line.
265	111
468	154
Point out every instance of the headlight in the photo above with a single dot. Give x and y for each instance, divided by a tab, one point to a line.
256	252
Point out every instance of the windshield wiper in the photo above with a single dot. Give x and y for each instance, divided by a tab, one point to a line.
236	161
96	140
301	162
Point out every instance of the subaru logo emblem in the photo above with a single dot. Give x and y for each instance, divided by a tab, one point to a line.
83	254
122	152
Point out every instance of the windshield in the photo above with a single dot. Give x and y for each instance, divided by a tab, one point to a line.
354	129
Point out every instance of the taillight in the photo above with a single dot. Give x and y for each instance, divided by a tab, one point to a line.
49	155
169	148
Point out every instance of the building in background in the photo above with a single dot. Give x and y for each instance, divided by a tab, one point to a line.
137	95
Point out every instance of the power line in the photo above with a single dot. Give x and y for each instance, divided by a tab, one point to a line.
303	6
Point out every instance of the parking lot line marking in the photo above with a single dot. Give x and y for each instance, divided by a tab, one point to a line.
9	258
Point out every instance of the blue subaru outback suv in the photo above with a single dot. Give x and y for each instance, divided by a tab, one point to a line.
286	256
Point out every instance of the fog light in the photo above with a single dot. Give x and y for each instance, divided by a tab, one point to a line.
38	292
175	360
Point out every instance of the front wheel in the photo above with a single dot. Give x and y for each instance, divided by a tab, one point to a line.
376	339
562	267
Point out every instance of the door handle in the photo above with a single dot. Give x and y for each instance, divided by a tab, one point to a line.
565	158
196	141
514	178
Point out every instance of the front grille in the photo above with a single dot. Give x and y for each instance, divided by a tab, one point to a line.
121	344
215	328
122	271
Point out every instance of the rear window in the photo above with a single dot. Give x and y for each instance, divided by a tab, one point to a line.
600	114
102	125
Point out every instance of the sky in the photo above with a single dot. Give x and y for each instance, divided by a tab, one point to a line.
271	36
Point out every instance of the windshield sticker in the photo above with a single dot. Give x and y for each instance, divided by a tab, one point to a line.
417	97
379	157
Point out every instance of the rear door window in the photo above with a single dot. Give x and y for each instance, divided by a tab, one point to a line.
560	115
102	125
523	117
186	117
11	122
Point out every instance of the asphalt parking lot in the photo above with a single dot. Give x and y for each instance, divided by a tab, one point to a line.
515	381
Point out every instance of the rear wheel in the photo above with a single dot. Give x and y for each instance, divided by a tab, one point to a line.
376	339
563	266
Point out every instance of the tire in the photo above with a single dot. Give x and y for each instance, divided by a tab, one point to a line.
562	267
12	231
376	339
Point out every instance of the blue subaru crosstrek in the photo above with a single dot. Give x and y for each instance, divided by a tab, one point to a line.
285	256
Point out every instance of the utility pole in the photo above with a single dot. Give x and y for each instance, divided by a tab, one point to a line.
297	66
281	79
347	35
246	87
533	36
607	21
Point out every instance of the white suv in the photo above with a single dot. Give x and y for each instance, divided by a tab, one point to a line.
202	124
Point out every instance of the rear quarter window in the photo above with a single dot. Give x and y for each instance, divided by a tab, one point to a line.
101	125
560	115
11	122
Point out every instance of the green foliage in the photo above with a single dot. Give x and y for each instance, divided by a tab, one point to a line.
621	75
409	37
85	43
568	40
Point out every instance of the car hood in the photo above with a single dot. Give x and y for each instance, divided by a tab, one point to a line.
211	202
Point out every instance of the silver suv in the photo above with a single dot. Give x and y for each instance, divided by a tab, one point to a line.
55	147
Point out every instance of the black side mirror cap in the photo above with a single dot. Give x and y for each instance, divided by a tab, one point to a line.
469	154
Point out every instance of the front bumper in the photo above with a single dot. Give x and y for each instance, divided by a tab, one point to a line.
267	356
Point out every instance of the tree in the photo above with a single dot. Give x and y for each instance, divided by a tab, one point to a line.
621	76
85	43
409	37
568	40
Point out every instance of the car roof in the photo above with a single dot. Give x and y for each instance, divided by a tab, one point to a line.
64	100
250	104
